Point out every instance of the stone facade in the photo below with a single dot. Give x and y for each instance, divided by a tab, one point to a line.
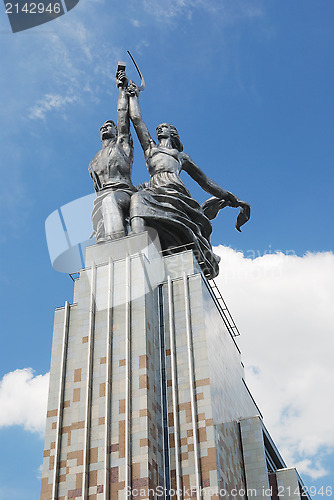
147	387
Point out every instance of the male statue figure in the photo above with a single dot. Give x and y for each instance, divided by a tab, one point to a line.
111	172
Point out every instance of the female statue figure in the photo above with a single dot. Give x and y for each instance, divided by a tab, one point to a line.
165	204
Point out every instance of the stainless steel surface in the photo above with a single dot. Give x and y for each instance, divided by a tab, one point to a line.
61	401
174	388
128	374
192	387
88	409
163	203
108	382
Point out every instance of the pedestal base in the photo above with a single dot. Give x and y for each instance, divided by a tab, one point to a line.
147	390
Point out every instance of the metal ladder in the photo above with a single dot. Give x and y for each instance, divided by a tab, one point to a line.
229	321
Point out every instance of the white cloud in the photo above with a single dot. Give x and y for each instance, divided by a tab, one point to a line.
312	468
75	65
283	307
228	11
23	400
136	23
39	472
174	8
48	103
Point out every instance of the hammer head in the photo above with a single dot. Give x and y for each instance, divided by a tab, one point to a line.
120	67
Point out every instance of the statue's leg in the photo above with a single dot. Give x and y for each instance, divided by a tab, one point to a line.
138	225
137	209
115	208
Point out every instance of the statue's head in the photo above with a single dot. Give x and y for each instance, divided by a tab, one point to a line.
165	130
108	130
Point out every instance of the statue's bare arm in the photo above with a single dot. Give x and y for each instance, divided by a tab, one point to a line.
143	134
123	121
205	182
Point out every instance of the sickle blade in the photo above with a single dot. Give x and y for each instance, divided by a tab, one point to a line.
142	81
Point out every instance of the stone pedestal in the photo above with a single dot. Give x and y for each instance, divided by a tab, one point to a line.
147	389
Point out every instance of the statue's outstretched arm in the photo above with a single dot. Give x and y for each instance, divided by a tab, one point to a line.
206	183
220	199
123	121
143	134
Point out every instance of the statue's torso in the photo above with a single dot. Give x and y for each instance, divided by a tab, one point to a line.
160	159
111	165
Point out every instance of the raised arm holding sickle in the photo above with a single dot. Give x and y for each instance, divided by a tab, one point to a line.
111	171
165	203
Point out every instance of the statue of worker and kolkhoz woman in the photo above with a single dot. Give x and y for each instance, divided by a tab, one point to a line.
163	203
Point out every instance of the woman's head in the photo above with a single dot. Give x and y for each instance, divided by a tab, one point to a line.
168	130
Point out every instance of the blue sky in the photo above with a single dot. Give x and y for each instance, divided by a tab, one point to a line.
249	85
